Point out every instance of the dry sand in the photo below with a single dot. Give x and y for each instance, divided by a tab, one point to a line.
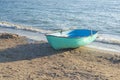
21	60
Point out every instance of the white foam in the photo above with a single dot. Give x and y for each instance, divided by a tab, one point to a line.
103	42
107	42
22	27
108	39
31	35
102	46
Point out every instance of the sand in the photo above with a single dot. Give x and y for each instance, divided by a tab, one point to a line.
21	59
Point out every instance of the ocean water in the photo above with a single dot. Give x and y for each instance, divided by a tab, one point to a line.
34	18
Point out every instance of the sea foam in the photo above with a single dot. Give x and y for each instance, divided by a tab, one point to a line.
104	41
108	39
22	27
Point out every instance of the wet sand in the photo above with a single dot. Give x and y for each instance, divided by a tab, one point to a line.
24	60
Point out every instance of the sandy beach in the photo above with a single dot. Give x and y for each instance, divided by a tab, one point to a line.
21	59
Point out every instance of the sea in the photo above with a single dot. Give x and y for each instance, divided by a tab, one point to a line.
34	18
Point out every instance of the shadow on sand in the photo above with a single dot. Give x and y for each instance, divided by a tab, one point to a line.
27	52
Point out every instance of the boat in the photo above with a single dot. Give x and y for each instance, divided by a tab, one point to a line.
71	38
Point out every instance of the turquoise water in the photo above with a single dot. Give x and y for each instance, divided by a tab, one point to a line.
43	16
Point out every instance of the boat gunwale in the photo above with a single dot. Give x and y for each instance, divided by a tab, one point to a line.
72	37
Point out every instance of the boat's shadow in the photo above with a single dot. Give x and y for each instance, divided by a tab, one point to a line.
28	52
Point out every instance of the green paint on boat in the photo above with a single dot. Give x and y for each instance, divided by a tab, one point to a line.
71	39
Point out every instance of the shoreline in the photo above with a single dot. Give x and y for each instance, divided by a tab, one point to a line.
104	51
23	60
32	36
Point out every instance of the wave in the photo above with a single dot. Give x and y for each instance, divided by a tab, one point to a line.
108	39
102	38
107	42
22	27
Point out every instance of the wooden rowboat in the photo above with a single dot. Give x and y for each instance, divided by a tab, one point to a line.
71	38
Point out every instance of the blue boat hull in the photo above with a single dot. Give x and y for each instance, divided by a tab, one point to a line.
71	39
